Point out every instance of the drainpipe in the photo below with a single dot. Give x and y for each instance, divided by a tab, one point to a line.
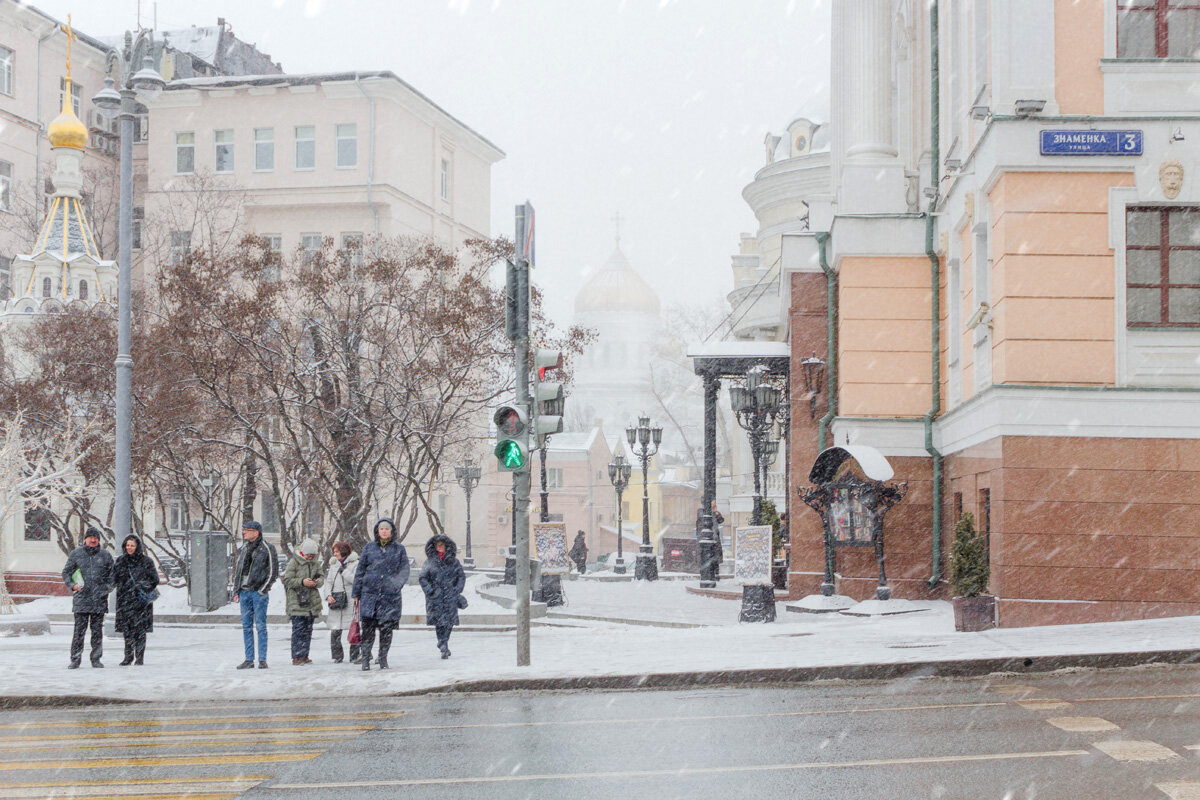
370	159
935	304
830	340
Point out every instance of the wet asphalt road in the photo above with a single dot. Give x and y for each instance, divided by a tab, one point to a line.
1116	734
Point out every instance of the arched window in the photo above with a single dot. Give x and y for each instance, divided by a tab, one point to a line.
83	290
46	287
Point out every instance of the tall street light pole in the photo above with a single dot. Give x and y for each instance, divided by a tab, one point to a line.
145	80
467	474
643	442
619	471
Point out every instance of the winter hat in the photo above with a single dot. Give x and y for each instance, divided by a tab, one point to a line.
252	525
308	547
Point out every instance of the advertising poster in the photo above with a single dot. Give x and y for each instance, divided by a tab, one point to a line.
752	567
550	539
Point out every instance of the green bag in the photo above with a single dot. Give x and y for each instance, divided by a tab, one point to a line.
77	577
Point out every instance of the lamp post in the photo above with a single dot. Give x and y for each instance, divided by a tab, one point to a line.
467	474
147	80
619	471
756	406
813	369
643	443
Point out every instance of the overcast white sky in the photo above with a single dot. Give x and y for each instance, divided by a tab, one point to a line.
655	108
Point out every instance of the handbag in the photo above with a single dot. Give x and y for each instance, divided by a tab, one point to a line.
147	597
340	601
355	634
462	601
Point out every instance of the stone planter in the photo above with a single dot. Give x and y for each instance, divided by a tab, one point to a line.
975	613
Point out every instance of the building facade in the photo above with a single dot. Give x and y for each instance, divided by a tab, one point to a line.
1016	302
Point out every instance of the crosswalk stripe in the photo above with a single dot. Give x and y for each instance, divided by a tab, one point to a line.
186	743
1043	705
1083	724
159	761
198	796
99	782
1180	790
199	720
231	733
1132	750
215	789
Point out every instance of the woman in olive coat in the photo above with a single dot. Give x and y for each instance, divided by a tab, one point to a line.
303	578
135	576
443	579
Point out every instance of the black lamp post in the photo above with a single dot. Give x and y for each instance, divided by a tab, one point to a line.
467	474
618	472
643	443
756	406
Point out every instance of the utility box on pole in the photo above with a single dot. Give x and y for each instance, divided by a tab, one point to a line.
208	565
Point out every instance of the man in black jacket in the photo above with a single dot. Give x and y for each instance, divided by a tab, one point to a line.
257	568
89	574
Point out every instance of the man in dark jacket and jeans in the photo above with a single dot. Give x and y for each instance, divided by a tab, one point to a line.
257	568
89	574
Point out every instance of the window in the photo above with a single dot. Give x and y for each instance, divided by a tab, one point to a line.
352	243
83	290
310	243
223	151
47	287
5	186
185	153
270	512
181	245
139	213
445	179
5	277
76	94
985	521
6	71
1162	267
37	521
306	146
1158	28
347	145
554	478
176	512
264	149
273	242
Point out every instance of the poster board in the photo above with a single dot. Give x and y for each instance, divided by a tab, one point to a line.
752	566
550	540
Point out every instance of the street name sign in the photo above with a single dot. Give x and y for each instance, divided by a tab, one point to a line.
1091	143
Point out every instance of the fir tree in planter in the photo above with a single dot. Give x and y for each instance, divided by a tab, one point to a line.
969	573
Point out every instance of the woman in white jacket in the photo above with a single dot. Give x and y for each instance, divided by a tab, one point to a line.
341	608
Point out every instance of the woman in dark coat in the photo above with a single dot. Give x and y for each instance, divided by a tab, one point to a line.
383	569
135	576
579	552
443	580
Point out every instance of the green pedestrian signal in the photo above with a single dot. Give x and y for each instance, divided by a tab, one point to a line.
512	438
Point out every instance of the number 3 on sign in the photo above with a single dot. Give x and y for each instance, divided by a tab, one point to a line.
1128	141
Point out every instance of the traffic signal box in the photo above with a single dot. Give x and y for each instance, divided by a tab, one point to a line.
512	438
548	396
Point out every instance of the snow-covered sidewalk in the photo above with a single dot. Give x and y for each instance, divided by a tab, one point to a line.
196	663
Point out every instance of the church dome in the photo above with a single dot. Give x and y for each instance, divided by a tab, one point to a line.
616	287
66	130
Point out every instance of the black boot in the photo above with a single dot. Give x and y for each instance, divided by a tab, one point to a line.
366	663
335	646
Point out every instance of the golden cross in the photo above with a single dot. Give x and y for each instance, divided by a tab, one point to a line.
617	222
70	38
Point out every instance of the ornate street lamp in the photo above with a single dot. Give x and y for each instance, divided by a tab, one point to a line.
146	80
813	370
618	472
756	406
643	443
467	474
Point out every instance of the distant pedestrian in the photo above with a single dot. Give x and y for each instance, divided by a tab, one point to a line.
342	568
443	580
89	575
256	570
302	579
137	588
579	552
383	569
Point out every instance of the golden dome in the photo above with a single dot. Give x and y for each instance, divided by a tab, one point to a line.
616	287
67	130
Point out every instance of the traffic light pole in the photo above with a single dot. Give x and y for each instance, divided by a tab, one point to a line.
521	478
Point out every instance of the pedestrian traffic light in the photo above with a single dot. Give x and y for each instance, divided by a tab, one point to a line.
512	438
548	396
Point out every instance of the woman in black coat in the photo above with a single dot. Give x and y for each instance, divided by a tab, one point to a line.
382	572
443	580
135	576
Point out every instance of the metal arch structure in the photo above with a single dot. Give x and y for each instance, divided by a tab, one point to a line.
728	361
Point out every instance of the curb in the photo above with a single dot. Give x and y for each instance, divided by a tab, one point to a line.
10	702
963	668
648	623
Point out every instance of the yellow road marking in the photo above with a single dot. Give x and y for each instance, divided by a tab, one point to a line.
1136	697
1127	750
202	720
703	718
189	795
185	743
654	773
1014	689
160	761
158	789
136	781
1083	724
230	732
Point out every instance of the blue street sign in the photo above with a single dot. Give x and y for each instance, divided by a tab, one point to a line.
1091	143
